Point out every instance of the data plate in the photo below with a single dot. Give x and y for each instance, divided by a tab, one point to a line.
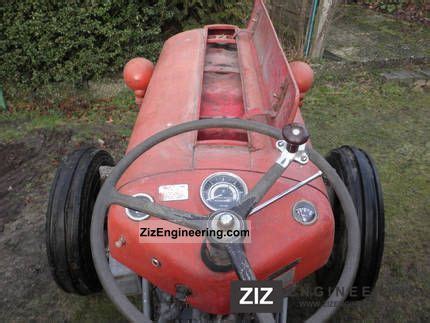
176	192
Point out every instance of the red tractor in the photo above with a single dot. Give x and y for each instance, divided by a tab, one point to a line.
219	144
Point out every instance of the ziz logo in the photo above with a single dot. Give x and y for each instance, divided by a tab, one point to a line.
256	300
256	296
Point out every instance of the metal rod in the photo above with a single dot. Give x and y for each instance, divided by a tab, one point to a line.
284	310
146	298
315	4
288	191
2	100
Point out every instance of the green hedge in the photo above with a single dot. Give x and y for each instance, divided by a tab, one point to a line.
74	41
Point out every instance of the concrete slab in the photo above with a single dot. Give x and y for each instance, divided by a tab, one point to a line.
425	72
403	76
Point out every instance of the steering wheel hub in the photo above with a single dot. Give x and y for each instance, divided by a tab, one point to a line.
226	220
227	227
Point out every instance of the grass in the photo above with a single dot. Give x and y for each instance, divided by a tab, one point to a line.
16	125
346	106
78	111
391	122
359	34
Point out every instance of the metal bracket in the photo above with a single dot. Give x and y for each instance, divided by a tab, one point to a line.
104	172
301	155
254	22
286	157
280	95
126	279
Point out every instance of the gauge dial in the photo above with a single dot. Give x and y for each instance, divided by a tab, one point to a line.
222	191
136	215
304	212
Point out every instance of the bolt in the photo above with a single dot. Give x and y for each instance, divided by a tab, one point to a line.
296	131
155	262
226	220
304	158
120	242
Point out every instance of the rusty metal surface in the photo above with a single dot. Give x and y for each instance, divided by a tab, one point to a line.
279	84
216	71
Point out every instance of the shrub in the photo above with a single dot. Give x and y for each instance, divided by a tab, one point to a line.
73	41
194	13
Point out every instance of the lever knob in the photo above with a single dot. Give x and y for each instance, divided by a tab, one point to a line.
295	135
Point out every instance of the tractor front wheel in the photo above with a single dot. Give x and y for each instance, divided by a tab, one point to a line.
357	170
68	220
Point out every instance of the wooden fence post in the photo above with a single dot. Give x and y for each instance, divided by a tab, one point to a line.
322	24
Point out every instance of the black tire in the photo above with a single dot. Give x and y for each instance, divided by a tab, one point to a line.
358	172
68	220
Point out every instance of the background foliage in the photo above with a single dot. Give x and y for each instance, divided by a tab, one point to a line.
75	41
392	6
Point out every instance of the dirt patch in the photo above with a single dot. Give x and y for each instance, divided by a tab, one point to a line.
26	172
22	162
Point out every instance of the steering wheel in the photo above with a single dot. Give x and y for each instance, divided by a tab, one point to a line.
290	139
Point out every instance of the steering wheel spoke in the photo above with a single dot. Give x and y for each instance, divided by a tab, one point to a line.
244	272
260	189
169	214
239	261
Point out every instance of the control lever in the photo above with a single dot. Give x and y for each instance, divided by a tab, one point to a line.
295	135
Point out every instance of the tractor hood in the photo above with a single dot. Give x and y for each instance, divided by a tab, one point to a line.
219	71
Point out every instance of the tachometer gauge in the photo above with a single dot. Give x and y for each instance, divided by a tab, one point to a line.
221	191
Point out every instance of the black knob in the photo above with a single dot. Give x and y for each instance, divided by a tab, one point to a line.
295	135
